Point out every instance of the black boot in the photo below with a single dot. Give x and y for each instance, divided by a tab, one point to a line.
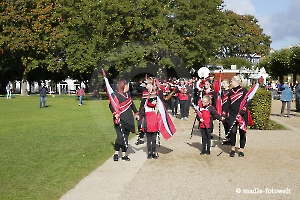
232	152
139	141
125	158
203	152
149	155
154	155
208	152
116	157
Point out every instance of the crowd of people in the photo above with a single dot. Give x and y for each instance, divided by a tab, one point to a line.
178	95
286	92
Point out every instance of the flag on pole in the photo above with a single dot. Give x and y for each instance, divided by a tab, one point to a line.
165	124
247	98
199	114
111	95
217	88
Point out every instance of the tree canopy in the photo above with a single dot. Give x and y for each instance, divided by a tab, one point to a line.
283	63
75	37
243	37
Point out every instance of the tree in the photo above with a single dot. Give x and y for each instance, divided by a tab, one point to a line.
243	37
295	62
30	33
228	61
74	36
279	64
200	25
165	33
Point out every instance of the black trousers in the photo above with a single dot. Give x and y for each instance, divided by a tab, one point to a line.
205	133
141	133
232	136
184	105
151	142
226	127
120	140
174	105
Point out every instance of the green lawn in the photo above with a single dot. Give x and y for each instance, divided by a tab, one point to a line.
45	152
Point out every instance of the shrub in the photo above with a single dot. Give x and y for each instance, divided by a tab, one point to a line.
260	109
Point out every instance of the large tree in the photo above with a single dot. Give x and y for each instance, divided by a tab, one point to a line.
123	36
30	33
278	64
243	37
200	25
129	36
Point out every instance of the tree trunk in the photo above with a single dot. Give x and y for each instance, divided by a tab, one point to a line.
294	78
281	79
24	91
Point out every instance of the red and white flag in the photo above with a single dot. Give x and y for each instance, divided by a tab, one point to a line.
247	98
217	88
111	95
199	114
165	123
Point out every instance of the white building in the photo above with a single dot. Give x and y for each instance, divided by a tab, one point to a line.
67	86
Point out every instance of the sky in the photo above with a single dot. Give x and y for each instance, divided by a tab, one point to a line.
279	19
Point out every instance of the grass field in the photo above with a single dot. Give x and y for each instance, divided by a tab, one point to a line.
46	151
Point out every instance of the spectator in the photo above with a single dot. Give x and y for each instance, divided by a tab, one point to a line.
8	91
286	98
43	93
80	93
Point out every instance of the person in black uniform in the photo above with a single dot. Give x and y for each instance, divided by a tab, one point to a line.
232	111
224	96
208	91
174	99
142	88
123	119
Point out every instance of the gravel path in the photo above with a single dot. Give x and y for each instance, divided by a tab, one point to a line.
270	167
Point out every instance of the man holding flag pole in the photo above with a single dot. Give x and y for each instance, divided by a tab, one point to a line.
122	106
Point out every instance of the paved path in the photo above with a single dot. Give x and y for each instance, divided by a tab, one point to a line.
271	165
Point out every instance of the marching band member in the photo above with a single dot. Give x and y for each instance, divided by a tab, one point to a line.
150	124
123	123
210	92
190	91
207	91
183	98
144	90
224	96
174	99
166	92
232	110
198	92
206	122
